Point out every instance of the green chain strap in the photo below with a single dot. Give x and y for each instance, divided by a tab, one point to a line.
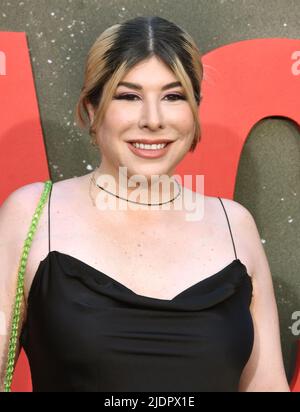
20	285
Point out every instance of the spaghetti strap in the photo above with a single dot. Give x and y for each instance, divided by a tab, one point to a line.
229	227
49	217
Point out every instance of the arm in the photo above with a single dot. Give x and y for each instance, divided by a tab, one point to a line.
264	371
15	216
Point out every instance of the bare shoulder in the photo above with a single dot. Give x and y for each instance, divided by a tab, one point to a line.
15	216
245	227
22	192
16	207
238	215
237	211
244	230
72	186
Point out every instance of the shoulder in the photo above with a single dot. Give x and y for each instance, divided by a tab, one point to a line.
237	213
26	197
19	202
23	191
243	227
243	221
77	186
236	209
16	213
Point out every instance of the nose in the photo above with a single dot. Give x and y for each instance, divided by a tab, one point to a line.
151	115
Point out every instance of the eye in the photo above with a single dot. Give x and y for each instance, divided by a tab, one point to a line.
176	96
126	96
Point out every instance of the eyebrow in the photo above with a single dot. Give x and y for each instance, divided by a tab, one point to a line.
140	87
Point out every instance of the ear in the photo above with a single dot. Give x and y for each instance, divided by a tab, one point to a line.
91	112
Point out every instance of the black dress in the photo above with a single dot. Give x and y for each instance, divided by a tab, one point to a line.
88	332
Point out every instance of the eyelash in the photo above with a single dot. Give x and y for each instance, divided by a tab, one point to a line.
127	96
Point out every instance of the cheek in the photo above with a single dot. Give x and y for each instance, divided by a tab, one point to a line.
183	119
188	119
118	117
112	126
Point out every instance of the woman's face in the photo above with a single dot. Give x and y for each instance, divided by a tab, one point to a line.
145	112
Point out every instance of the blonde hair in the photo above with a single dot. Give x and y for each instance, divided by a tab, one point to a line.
122	46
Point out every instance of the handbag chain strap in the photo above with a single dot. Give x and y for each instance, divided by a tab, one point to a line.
20	286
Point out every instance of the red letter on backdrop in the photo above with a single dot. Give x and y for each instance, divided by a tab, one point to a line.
22	151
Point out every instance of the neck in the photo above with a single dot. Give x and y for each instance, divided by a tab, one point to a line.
149	190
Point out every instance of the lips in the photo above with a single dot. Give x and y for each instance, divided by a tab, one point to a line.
150	141
148	153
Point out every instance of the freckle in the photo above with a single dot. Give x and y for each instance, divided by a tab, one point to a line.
140	254
139	245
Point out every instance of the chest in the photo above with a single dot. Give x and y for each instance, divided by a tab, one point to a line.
158	260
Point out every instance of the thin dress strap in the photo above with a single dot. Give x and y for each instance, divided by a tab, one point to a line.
229	227
49	216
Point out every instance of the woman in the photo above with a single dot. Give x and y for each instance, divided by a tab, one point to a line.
134	296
